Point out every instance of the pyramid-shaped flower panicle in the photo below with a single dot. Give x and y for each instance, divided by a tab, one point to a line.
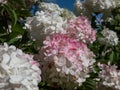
66	59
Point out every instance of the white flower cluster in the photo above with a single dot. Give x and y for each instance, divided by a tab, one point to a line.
109	38
87	7
110	76
43	24
54	8
51	7
51	19
18	71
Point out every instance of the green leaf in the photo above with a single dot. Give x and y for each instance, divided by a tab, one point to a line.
117	28
17	30
2	40
15	16
117	56
2	34
11	13
12	41
111	57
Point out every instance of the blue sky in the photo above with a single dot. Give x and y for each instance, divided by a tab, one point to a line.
64	3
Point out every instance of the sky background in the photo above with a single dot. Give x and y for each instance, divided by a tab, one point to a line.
64	3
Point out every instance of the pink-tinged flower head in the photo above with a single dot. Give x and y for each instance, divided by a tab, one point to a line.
81	28
67	60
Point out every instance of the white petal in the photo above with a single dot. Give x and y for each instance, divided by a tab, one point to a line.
34	67
6	58
15	79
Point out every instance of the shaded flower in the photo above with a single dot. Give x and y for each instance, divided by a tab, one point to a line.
109	38
110	76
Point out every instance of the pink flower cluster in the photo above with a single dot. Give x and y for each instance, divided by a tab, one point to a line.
69	57
81	28
110	76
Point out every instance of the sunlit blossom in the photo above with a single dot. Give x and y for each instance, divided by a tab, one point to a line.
81	28
18	71
66	61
